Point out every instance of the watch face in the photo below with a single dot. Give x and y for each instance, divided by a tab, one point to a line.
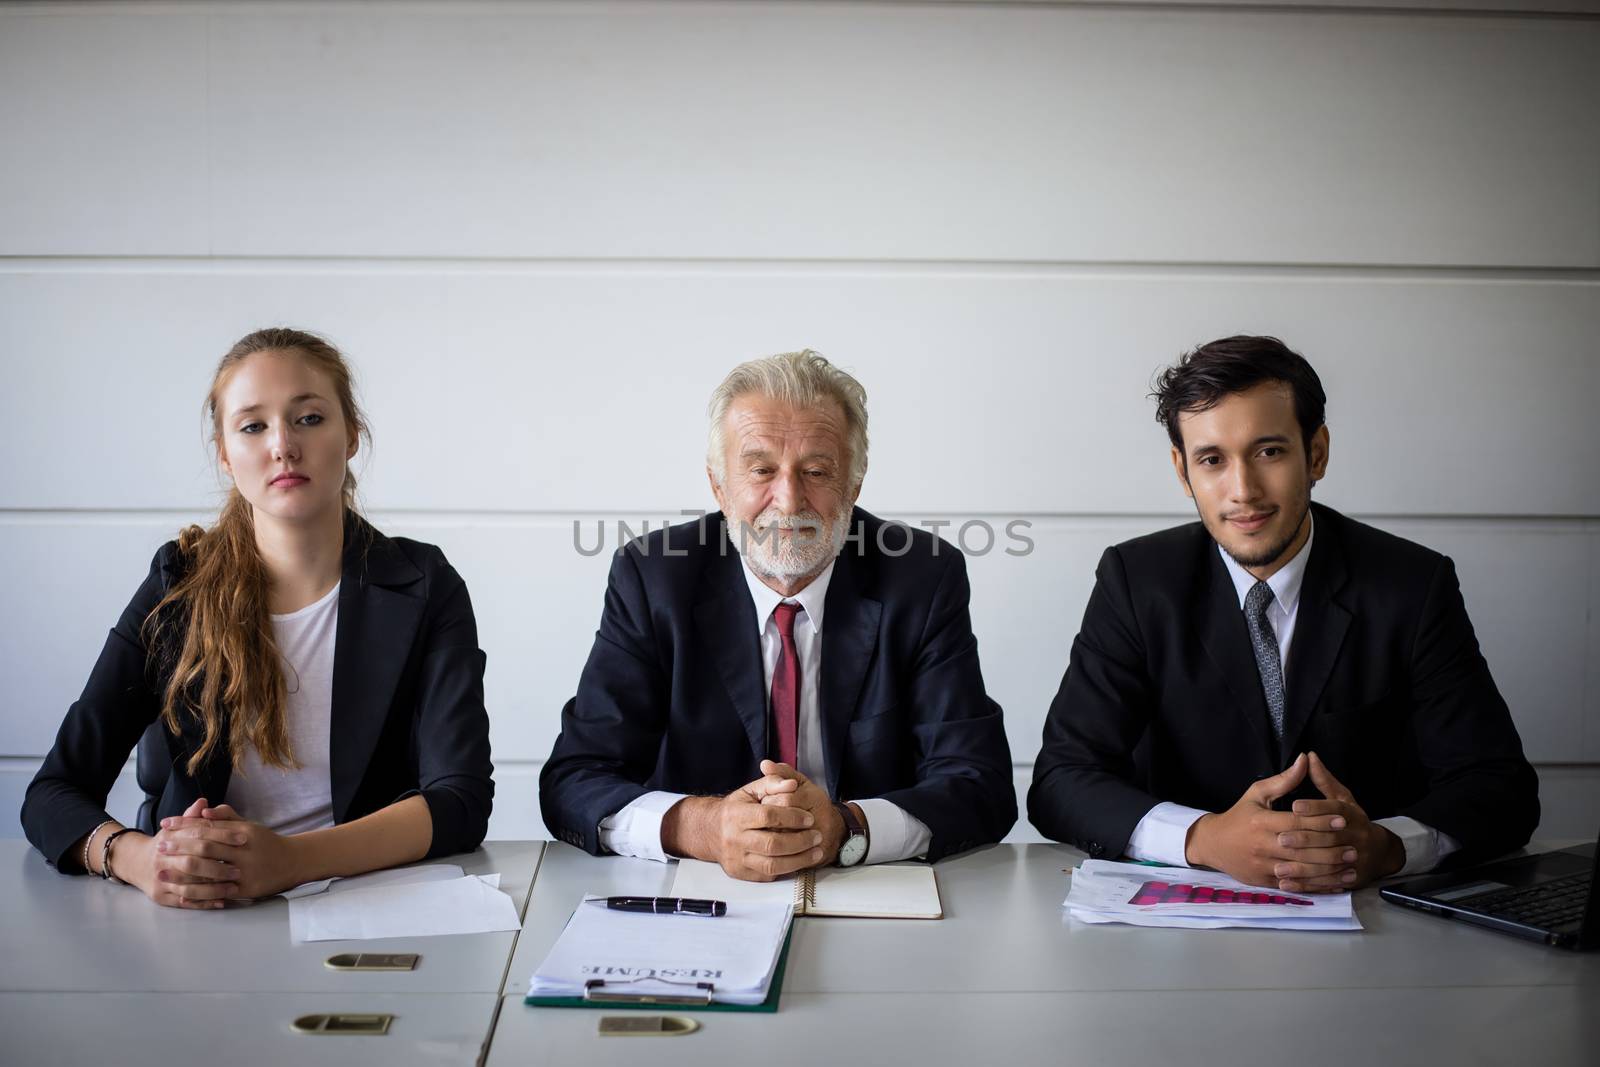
853	851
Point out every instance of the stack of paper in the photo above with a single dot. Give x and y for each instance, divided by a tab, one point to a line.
731	958
1106	892
406	902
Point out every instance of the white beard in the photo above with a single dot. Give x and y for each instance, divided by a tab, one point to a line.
789	559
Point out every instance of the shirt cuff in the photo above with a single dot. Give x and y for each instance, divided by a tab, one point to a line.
636	829
1162	834
1425	847
892	832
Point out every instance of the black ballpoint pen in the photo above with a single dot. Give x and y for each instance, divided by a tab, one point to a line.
669	905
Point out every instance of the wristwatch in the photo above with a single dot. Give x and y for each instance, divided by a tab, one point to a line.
854	848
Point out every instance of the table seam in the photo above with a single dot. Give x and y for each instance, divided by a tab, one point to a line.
511	955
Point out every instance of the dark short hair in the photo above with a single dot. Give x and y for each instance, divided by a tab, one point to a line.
1201	378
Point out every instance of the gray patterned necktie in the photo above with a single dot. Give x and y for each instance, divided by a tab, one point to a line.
1265	643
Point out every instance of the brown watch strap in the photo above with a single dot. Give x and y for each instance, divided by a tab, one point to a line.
853	826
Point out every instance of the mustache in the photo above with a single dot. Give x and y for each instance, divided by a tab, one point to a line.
805	520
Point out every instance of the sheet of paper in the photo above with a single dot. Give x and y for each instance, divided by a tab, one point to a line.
1106	892
430	872
886	891
298	912
636	952
430	907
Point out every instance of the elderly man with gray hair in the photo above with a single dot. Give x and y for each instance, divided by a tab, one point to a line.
789	682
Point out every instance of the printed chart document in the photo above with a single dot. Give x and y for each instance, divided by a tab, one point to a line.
730	958
886	891
1106	892
405	902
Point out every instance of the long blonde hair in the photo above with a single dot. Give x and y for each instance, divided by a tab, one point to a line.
214	621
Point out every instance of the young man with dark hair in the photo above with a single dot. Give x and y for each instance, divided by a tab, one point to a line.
1277	691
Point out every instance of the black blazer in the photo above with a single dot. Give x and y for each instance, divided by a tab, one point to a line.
673	696
1162	699
408	714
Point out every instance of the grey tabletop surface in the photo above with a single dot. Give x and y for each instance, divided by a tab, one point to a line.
1425	1027
76	934
1005	930
238	1029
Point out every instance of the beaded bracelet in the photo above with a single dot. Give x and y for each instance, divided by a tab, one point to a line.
89	841
105	856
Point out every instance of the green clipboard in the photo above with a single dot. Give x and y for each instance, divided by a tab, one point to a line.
769	1005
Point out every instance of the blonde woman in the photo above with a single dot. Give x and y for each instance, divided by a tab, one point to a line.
319	685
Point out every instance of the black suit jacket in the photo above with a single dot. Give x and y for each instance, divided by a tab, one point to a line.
674	698
1162	699
408	714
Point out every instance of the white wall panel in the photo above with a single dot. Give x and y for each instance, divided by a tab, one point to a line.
103	145
840	131
66	588
538	603
879	131
1524	588
584	388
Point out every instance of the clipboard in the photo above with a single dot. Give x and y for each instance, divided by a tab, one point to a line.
627	1003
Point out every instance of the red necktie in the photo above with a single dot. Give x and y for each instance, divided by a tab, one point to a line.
786	688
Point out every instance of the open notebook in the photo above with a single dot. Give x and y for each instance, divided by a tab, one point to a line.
886	891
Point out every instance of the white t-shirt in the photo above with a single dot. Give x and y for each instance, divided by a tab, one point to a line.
294	801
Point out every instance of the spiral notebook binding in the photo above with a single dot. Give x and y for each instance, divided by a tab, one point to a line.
805	893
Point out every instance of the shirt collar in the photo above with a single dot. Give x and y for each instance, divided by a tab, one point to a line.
1286	580
811	599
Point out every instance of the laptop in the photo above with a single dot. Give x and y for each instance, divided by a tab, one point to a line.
1552	897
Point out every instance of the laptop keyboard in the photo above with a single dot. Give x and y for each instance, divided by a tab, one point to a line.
1550	904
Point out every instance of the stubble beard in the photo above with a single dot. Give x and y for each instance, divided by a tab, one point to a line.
1270	554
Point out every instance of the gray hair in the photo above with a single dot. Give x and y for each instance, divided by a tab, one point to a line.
802	379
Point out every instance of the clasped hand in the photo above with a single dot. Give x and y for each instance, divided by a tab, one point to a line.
772	827
1322	846
210	855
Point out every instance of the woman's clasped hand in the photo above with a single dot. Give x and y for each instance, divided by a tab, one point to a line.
210	855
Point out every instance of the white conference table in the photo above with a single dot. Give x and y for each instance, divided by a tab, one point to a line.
1005	930
1008	975
94	973
51	1029
67	934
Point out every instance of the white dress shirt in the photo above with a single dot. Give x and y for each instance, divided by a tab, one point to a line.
1162	833
893	833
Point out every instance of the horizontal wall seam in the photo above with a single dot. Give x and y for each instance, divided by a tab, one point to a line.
885	267
1396	8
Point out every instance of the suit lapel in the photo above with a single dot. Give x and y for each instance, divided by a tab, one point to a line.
378	620
849	638
1223	635
1319	629
726	620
